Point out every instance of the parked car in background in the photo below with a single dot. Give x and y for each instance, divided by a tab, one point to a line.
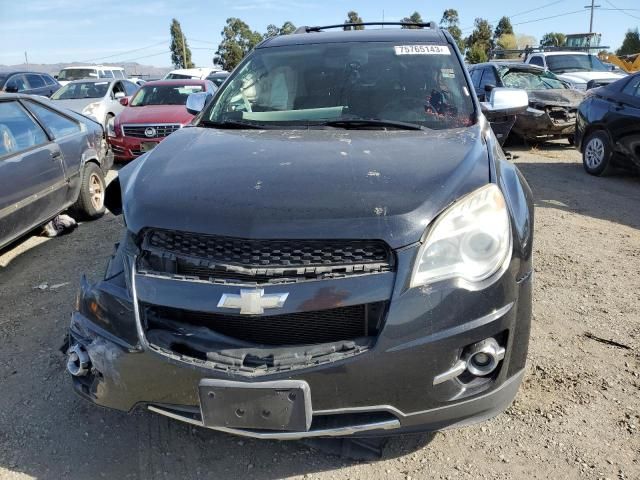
29	83
552	104
218	78
50	159
98	99
156	111
575	68
608	126
336	246
79	72
190	73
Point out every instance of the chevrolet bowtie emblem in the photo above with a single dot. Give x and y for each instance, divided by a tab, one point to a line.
252	302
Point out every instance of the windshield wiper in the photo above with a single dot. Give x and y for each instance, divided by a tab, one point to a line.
355	123
232	124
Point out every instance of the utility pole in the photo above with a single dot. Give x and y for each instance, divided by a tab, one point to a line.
26	59
184	51
592	7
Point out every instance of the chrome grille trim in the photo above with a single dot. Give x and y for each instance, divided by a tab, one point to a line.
136	130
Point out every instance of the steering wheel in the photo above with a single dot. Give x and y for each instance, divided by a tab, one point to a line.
415	105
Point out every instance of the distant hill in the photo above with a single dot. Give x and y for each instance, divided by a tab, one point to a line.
132	68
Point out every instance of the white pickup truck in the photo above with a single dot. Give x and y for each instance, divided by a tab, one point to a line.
575	68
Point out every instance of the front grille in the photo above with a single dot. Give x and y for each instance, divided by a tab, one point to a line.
300	328
214	258
562	115
138	131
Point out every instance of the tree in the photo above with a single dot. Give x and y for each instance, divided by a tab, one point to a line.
523	40
286	29
480	39
180	53
504	28
476	54
451	22
414	18
507	42
630	44
353	17
553	39
237	40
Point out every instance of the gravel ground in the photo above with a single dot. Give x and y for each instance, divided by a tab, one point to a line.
577	414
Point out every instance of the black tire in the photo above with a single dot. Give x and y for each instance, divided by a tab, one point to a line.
90	203
597	153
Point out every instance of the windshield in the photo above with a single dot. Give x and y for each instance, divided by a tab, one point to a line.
422	85
529	80
575	63
164	94
74	91
77	73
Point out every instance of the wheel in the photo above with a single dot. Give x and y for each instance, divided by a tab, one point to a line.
90	203
596	155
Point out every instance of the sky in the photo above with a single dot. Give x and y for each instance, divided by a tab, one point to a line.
96	31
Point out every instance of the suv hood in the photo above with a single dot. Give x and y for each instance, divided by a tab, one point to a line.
77	104
313	184
155	114
584	77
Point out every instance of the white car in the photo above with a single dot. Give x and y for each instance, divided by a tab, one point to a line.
79	72
98	99
575	68
191	73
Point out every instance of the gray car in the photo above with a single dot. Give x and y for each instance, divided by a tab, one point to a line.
98	99
50	159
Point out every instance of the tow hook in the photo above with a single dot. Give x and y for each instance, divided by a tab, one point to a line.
78	361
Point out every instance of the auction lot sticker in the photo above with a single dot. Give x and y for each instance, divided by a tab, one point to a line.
422	50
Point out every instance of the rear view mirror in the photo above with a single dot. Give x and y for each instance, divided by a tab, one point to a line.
196	102
124	101
505	101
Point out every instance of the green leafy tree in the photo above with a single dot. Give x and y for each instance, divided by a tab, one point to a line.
630	44
414	18
451	22
237	40
180	53
286	29
353	17
506	42
553	39
504	27
476	54
481	39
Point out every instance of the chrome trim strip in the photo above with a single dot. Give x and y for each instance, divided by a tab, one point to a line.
329	432
455	371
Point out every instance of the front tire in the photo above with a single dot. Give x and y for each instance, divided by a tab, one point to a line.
597	153
90	203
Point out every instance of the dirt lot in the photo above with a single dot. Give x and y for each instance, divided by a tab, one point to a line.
576	416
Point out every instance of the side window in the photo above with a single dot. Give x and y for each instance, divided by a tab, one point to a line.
48	79
58	124
105	74
118	73
17	81
130	88
537	60
35	81
118	88
488	78
475	77
632	88
18	131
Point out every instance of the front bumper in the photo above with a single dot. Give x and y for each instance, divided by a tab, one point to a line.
388	389
126	149
539	123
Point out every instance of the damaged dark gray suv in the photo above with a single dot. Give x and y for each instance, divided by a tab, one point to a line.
336	246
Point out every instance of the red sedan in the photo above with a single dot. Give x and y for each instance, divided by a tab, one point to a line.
154	112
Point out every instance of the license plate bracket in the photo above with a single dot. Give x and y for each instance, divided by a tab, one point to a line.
147	146
281	405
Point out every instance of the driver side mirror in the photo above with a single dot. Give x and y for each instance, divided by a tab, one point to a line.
488	87
196	102
119	95
124	101
505	101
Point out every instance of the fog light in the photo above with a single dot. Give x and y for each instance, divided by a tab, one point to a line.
483	357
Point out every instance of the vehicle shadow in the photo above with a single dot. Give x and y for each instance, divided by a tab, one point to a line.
565	186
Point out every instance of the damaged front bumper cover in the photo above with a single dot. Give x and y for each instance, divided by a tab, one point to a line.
546	122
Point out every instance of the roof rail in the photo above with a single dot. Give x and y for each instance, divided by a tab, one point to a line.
430	25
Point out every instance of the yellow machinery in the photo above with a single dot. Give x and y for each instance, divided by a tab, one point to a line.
629	63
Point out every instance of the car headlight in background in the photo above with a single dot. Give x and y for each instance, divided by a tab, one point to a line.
470	240
111	127
93	110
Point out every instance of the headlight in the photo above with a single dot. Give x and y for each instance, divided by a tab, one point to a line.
471	240
92	109
111	128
